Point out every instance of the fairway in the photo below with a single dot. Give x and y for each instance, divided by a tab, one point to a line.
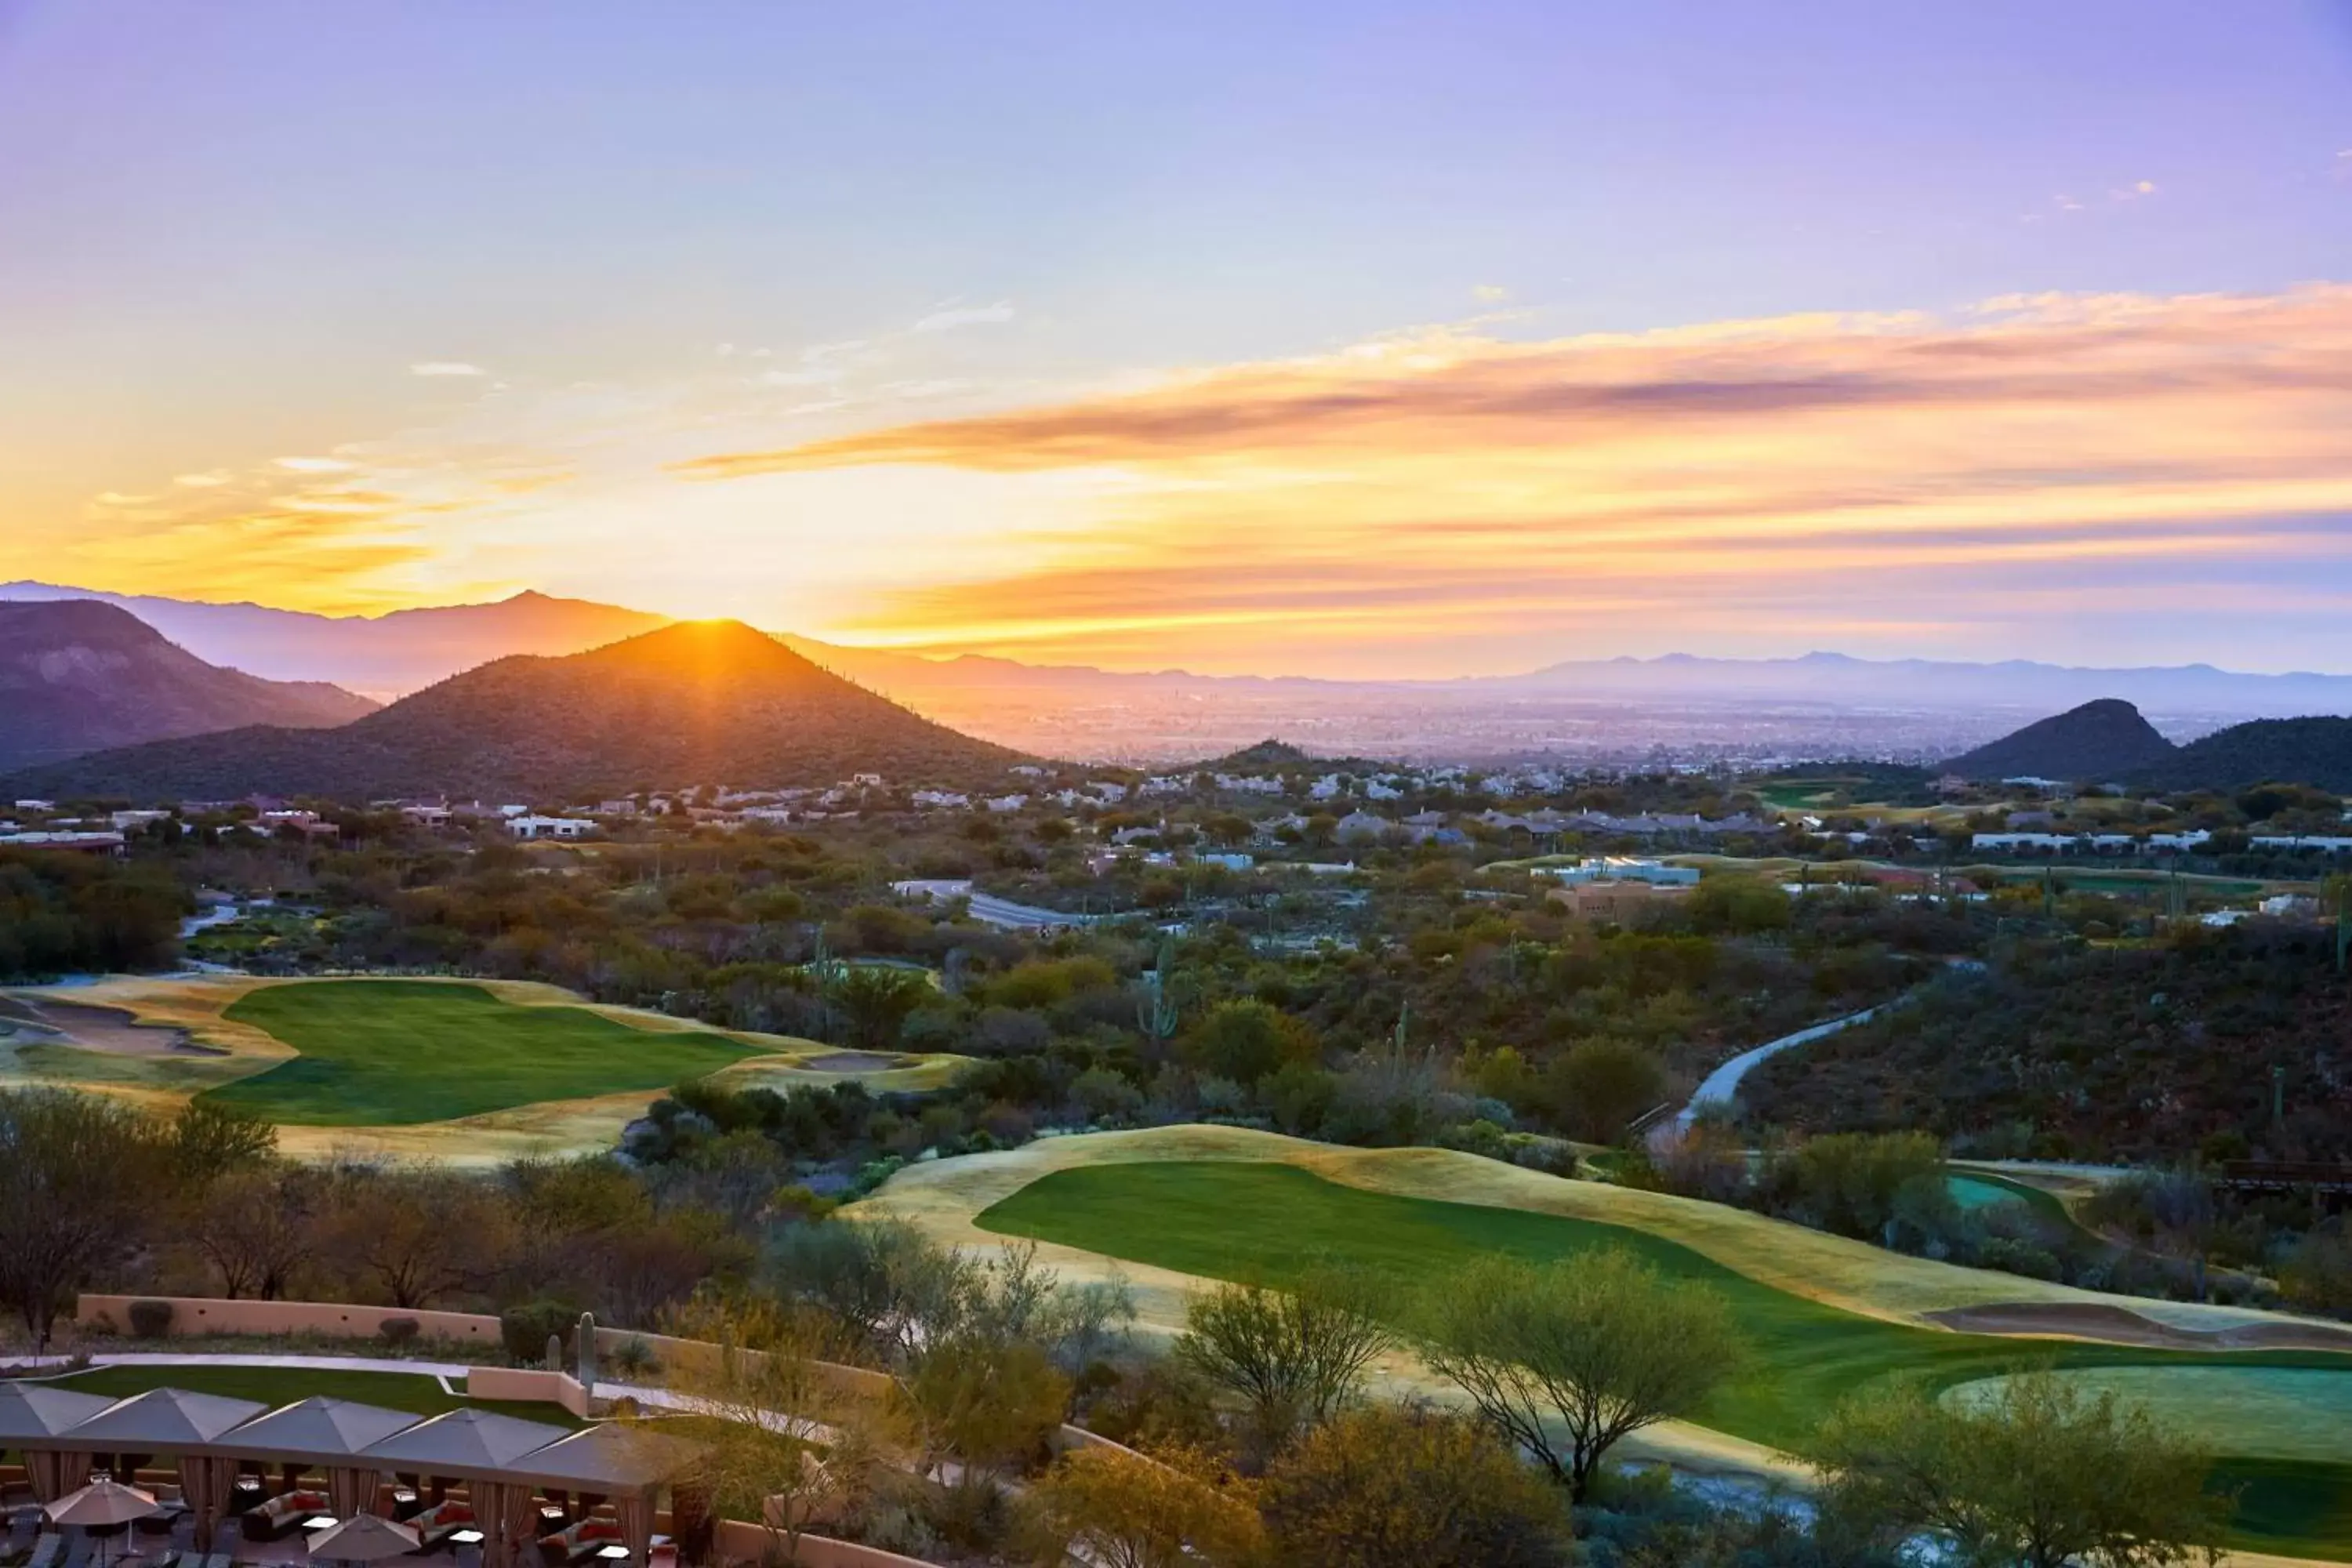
395	1052
1262	1220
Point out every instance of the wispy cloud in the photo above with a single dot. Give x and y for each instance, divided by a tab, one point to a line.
445	367
1447	484
314	465
949	317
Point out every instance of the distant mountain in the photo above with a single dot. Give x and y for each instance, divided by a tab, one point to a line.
2314	752
695	703
78	677
2102	740
1840	679
406	650
385	655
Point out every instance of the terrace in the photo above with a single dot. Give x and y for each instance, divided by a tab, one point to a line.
226	1481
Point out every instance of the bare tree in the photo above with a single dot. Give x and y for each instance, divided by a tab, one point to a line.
78	1177
416	1233
255	1227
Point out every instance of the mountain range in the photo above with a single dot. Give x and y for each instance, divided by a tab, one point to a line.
2108	740
390	654
692	702
78	676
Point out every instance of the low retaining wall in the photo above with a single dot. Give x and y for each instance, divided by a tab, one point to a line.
534	1385
211	1315
736	1541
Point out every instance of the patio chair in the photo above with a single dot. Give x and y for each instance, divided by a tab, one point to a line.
45	1550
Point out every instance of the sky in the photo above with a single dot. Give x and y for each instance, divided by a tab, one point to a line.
1330	339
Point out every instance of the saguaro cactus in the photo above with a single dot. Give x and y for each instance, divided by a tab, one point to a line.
584	1337
555	1352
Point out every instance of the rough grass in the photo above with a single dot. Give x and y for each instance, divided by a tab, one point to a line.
394	1052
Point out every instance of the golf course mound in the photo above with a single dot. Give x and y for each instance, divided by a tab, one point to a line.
1173	1209
467	1072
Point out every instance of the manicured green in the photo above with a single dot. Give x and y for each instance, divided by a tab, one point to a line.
276	1385
393	1052
1249	1220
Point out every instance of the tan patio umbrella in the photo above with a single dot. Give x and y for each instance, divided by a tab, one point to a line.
362	1538
101	1503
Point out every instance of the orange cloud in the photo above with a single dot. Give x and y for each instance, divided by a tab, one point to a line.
1449	487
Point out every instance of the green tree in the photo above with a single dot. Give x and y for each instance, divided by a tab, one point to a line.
873	1001
1385	1487
1564	1359
2037	1475
1294	1358
209	1140
1120	1510
1245	1041
1601	1085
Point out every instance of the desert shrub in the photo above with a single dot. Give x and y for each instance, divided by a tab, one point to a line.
398	1332
524	1328
151	1320
634	1358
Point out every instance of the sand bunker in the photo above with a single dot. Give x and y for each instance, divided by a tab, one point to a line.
2120	1325
111	1030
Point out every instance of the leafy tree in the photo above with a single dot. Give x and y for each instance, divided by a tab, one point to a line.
1850	1183
1603	1084
875	1001
1385	1487
78	1176
1293	1357
1246	1041
1119	1509
989	1405
209	1139
2038	1475
1564	1359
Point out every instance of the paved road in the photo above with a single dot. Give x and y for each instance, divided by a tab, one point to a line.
989	909
1721	1087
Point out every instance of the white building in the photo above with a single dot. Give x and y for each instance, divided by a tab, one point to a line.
1623	869
534	827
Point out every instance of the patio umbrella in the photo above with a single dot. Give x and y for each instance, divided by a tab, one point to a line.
102	1502
362	1538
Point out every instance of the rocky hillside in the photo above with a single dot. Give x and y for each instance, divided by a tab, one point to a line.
2097	741
78	677
696	702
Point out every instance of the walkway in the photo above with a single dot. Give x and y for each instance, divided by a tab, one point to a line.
1721	1087
991	911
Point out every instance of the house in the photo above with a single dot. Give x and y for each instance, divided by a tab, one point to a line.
939	800
1231	860
1615	900
1005	803
84	843
1359	826
536	827
1622	868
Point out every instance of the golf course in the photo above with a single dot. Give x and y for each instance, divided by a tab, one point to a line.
470	1071
1822	1317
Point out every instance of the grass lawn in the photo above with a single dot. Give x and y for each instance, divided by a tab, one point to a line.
1252	1219
276	1385
395	1052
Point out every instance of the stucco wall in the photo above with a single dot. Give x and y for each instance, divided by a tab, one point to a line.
535	1384
210	1315
737	1542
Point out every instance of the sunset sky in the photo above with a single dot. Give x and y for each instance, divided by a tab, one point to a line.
1318	338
